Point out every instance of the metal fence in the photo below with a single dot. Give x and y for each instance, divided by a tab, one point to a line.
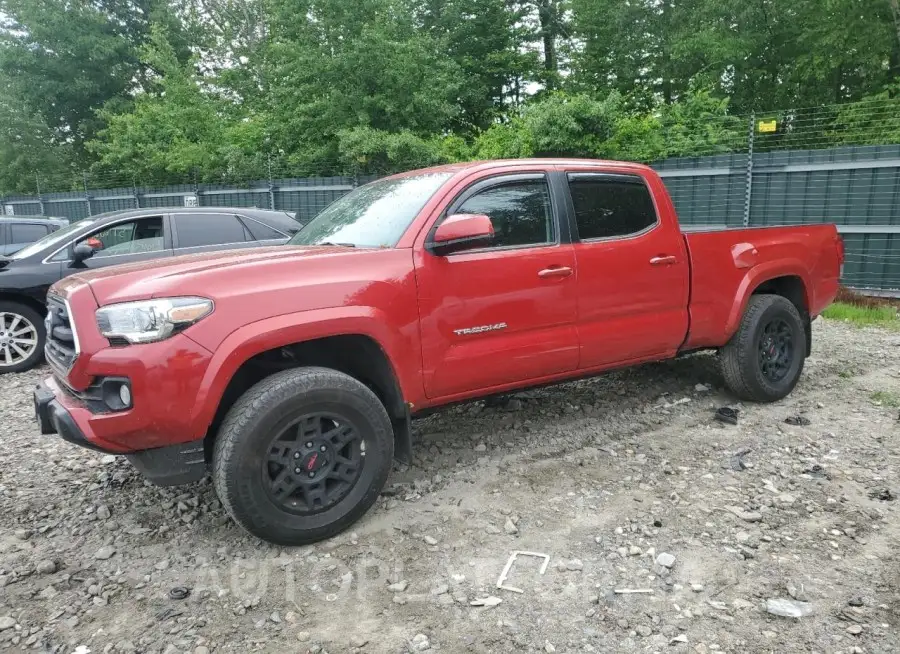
857	187
306	197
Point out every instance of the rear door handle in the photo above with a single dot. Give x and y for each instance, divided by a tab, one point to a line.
667	260
556	271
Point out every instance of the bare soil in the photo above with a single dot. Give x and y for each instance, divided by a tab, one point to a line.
603	476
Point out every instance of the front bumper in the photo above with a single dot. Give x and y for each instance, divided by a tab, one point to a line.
53	418
167	466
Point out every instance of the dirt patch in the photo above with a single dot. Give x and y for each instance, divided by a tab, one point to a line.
603	475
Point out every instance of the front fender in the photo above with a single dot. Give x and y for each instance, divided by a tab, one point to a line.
757	276
280	331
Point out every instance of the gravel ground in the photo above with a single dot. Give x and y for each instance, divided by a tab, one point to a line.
626	482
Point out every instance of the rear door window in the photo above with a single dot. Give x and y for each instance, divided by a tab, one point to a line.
611	206
196	230
27	233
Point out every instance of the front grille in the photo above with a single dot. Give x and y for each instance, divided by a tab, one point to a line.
62	343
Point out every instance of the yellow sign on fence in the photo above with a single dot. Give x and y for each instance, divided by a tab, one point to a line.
768	126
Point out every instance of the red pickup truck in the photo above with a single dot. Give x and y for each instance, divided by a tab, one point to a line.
292	371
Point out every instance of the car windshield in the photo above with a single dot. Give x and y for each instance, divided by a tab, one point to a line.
374	215
56	238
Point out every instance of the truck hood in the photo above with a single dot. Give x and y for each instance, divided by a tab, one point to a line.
167	276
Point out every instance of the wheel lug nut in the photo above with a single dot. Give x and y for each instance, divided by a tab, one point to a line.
309	444
322	449
311	475
296	455
298	470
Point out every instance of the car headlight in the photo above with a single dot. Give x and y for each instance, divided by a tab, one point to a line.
149	321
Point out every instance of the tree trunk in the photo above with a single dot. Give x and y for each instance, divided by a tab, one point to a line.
547	18
895	7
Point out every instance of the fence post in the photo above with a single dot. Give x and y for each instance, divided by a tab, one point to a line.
87	197
137	196
748	198
271	183
37	182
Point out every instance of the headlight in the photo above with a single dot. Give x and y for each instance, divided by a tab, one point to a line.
151	320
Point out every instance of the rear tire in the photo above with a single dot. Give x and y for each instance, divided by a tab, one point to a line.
302	455
22	337
763	361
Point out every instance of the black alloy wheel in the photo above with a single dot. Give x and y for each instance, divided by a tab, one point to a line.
302	455
764	359
776	350
314	463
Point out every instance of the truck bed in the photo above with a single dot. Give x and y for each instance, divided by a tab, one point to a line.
727	263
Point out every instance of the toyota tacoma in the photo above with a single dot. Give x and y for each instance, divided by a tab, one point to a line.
291	373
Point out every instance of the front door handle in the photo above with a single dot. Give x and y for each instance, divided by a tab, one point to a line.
556	271
667	260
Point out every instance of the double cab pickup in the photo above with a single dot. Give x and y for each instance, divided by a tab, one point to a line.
291	373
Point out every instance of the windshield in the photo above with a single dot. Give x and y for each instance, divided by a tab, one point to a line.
374	215
56	238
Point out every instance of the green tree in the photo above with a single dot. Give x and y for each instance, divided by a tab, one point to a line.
761	55
65	61
484	39
368	151
338	64
178	131
548	31
27	150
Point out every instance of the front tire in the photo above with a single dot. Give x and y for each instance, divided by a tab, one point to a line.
763	361
302	455
22	337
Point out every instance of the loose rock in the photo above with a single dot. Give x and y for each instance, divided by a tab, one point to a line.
788	608
104	553
665	559
46	567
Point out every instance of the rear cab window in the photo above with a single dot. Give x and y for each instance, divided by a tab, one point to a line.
611	205
204	229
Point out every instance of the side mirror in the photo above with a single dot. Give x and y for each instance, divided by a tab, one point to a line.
462	232
82	252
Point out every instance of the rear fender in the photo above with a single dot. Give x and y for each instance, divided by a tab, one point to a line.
288	329
757	276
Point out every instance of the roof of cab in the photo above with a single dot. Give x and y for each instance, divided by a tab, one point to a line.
525	163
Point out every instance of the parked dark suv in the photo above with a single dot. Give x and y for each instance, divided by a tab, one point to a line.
16	233
110	239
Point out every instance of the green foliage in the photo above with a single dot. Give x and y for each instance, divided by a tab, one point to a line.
872	122
580	126
340	64
483	38
701	125
65	61
371	151
883	316
505	141
158	91
26	146
761	55
575	126
177	131
886	398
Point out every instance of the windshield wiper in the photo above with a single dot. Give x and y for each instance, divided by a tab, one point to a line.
343	245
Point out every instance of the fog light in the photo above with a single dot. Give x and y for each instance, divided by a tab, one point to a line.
125	395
